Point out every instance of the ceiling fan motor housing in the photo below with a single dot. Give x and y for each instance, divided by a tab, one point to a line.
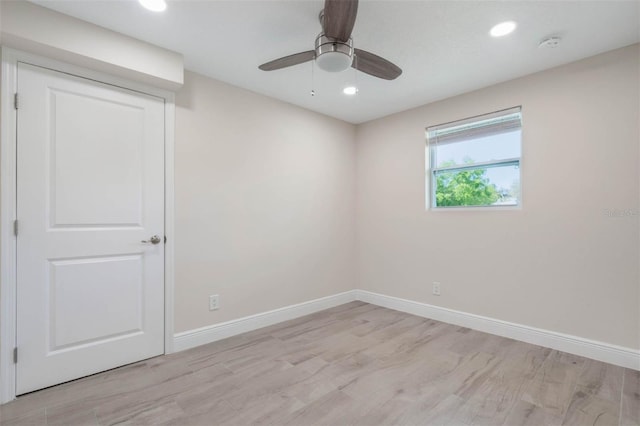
333	55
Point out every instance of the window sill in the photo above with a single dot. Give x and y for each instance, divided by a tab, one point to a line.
474	209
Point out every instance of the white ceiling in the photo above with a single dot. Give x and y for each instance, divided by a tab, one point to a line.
443	47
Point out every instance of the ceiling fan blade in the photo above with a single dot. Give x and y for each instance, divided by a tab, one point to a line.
375	65
287	61
339	18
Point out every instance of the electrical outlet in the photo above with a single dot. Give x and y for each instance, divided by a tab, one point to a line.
213	302
436	288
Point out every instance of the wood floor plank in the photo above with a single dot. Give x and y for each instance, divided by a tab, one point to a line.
159	414
34	417
416	342
496	397
554	383
352	368
148	403
83	393
523	359
335	408
492	401
440	413
60	416
526	414
355	312
207	397
295	382
391	412
383	382
214	411
586	408
398	327
354	364
602	380
271	410
371	327
630	406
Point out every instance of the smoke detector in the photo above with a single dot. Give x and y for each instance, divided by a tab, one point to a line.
550	42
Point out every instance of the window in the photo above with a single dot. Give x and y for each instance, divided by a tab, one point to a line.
476	161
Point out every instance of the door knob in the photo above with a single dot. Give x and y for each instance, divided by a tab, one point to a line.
153	240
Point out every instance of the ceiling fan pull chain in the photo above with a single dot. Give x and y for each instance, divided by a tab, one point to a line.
355	73
313	92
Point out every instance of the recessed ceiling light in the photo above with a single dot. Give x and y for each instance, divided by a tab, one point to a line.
350	90
502	29
155	5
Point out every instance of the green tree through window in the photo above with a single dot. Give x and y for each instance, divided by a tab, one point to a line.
464	187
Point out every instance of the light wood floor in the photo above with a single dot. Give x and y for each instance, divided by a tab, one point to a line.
356	364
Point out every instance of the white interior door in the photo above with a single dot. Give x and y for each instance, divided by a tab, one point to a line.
90	184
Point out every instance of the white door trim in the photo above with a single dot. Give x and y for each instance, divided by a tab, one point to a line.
8	87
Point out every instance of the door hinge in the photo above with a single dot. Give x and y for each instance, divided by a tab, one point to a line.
15	355
15	100
15	228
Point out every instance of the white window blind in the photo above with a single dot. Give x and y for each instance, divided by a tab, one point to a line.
470	128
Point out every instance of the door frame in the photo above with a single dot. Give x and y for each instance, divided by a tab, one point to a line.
8	200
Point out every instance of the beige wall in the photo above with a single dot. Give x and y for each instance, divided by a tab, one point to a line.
264	203
558	263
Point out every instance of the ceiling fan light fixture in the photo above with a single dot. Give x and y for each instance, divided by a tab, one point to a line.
334	61
503	29
154	5
333	55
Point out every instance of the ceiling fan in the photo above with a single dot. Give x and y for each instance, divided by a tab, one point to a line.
334	49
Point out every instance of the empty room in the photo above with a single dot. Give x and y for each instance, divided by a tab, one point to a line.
319	212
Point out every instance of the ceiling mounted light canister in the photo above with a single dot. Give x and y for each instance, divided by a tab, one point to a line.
154	5
502	29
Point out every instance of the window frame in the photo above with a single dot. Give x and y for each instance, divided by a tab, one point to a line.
432	170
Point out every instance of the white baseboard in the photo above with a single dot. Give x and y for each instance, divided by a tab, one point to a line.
612	354
201	336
